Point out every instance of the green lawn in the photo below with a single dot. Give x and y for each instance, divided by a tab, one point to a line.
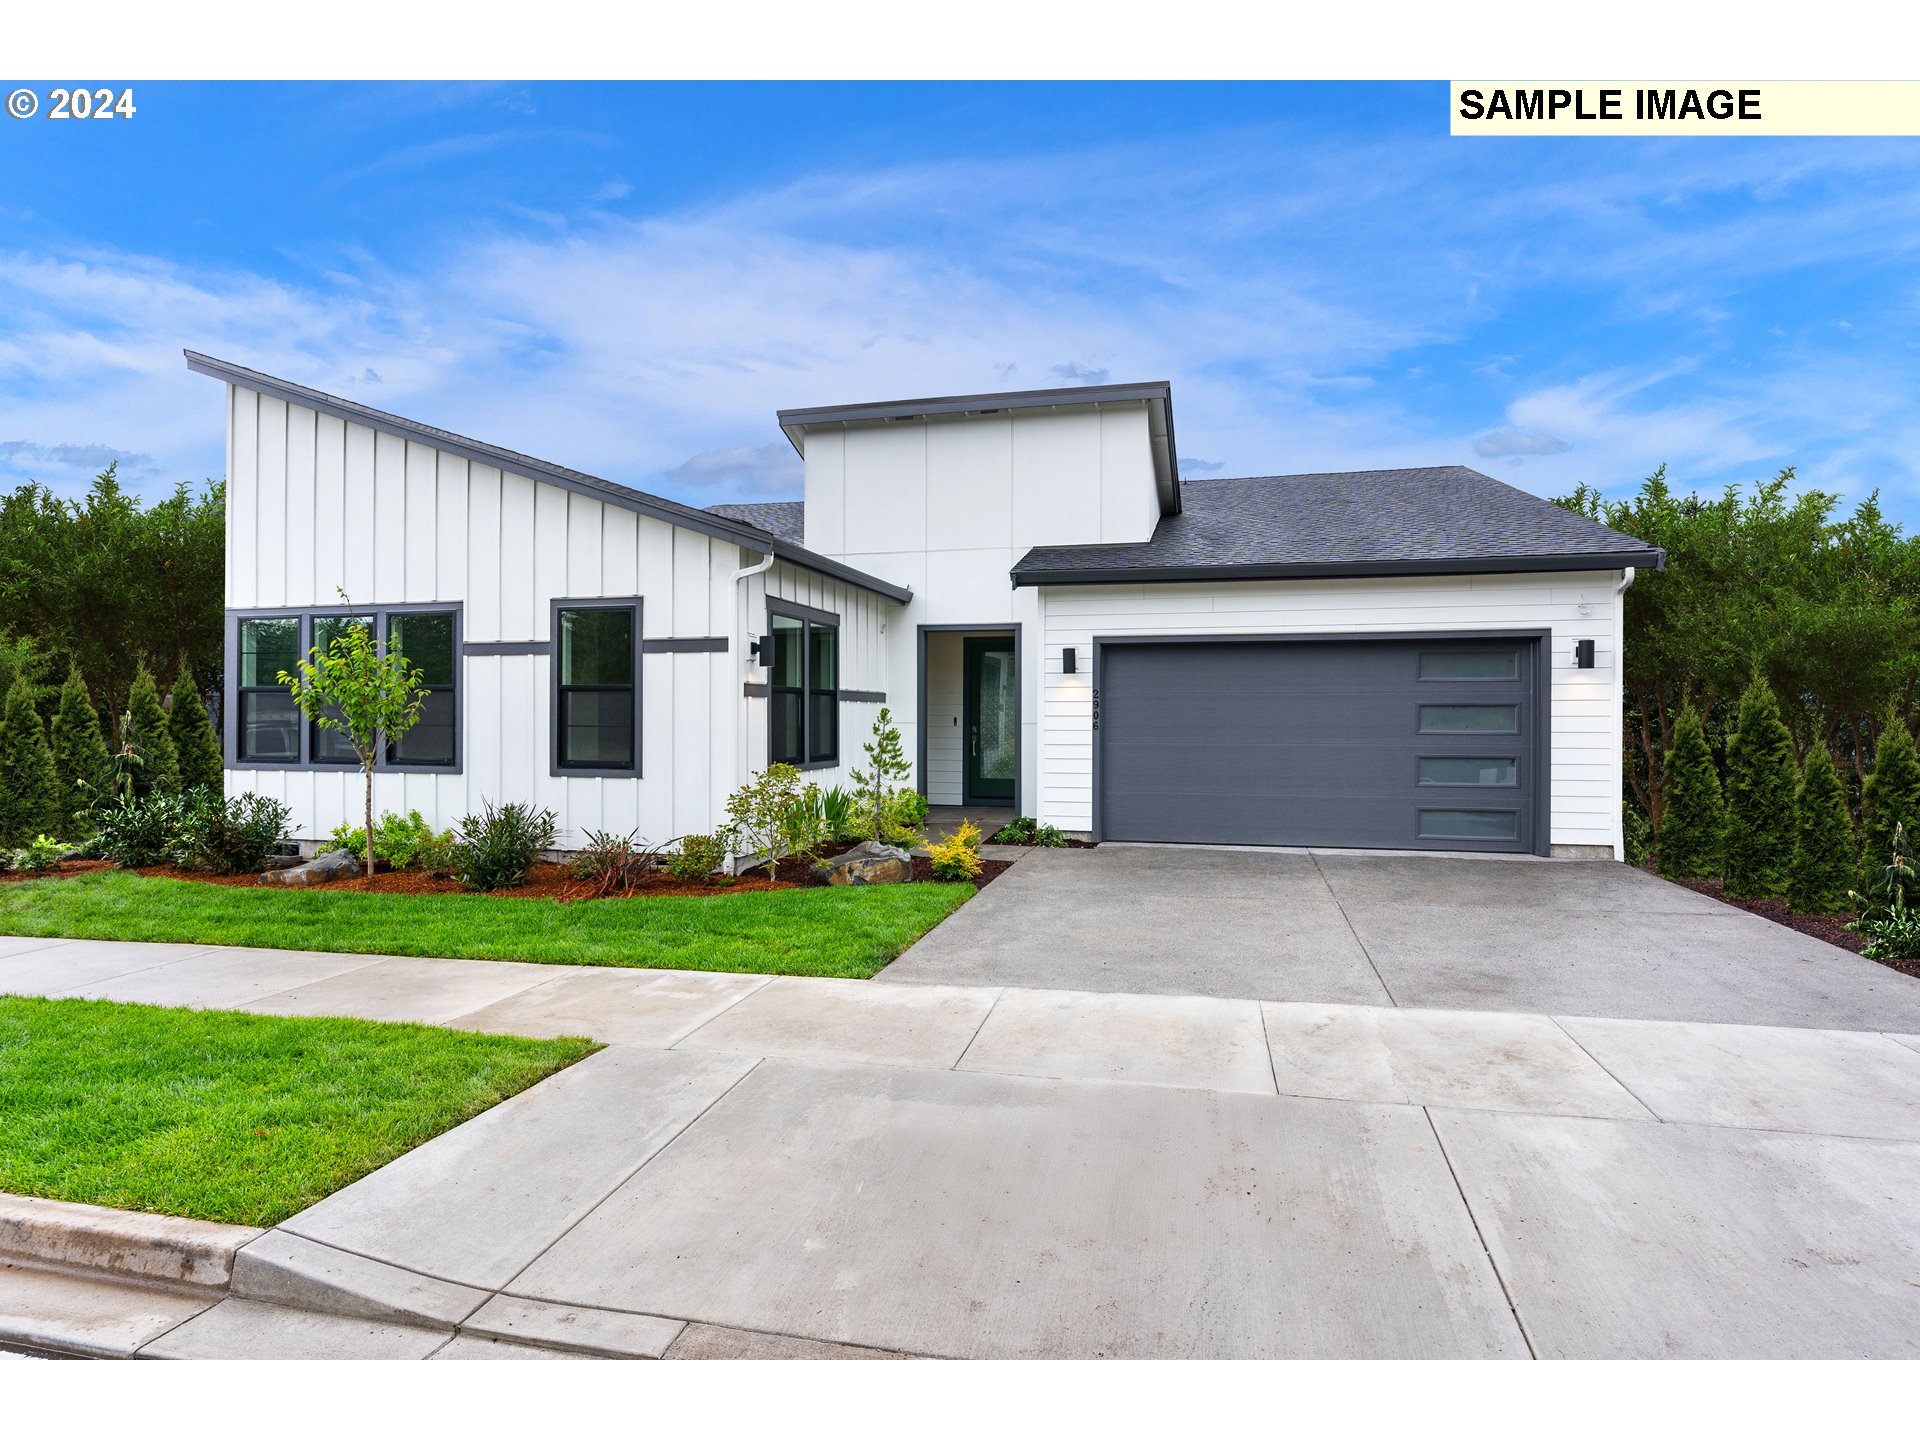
831	930
222	1116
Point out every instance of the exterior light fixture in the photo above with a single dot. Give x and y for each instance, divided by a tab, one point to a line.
762	650
1069	662
1583	654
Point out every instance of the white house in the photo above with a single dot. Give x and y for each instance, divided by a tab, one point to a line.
1403	659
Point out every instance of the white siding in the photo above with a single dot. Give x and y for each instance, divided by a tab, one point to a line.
1584	796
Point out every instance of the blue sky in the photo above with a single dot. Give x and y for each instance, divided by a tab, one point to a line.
631	279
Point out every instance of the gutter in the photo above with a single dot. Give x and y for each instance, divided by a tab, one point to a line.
1329	570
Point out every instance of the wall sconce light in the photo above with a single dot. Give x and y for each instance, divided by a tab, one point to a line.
1583	654
1069	662
762	650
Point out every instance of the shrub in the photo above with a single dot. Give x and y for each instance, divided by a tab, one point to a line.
1025	830
196	749
79	752
141	831
958	856
230	837
610	863
1637	833
1694	821
1891	796
879	812
1823	850
776	814
29	789
145	732
406	842
497	847
43	852
1889	917
1762	777
697	857
837	815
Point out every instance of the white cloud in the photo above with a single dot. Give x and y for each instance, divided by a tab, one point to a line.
1512	442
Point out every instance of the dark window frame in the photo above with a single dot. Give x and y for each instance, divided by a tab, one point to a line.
382	624
634	604
809	618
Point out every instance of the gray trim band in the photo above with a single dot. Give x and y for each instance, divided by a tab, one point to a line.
1485	565
482	648
716	527
864	697
969	404
693	645
756	690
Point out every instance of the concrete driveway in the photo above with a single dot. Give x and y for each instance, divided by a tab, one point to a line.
1478	933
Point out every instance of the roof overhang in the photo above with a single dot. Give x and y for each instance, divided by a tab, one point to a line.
703	522
1157	395
1649	559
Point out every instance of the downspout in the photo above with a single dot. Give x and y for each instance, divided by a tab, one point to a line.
1619	713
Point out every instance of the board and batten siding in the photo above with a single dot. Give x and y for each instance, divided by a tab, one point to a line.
1584	795
317	505
867	624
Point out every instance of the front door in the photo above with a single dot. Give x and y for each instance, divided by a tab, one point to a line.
993	721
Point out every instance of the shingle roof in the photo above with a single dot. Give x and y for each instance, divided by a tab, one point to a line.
782	519
1443	520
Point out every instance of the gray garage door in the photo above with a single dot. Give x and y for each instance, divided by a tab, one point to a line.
1390	744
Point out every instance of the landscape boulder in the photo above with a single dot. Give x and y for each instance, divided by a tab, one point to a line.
868	863
333	865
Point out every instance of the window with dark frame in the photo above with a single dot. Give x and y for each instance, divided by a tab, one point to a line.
803	691
426	638
326	746
267	722
595	724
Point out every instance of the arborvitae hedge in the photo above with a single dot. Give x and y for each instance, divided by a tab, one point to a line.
1823	850
192	731
1762	778
152	741
79	750
29	789
1693	821
1891	795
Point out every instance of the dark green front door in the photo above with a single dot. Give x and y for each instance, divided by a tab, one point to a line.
993	721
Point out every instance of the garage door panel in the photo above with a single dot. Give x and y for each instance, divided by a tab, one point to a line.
1319	743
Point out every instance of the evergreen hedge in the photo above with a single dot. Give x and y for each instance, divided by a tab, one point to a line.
79	751
1823	847
1762	778
1693	825
194	743
1891	796
146	726
29	789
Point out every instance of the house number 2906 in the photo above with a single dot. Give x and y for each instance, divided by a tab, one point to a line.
1096	709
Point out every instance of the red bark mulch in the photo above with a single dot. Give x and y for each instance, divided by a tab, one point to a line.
64	868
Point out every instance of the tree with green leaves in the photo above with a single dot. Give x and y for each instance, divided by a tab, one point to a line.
1762	779
1891	795
29	788
1823	848
1691	840
370	698
79	751
194	742
876	808
145	732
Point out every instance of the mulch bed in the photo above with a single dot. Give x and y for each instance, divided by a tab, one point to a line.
1830	928
1034	845
63	868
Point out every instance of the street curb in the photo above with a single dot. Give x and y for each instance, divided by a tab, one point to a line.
127	1244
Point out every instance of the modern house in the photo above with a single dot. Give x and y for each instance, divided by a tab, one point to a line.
1400	659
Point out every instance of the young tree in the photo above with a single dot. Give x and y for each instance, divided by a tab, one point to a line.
1695	823
876	812
354	690
1891	795
1762	777
79	749
29	790
1823	849
144	730
192	733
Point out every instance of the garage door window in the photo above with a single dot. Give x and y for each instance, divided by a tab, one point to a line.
1469	665
1469	719
1468	770
1469	824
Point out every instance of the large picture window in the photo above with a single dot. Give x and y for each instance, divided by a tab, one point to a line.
596	694
267	730
803	689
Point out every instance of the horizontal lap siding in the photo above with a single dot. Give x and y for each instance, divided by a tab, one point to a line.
1584	807
316	505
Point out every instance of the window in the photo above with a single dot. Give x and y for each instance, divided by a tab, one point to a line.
595	672
803	689
1469	665
1469	824
1469	719
426	639
268	721
269	732
1467	770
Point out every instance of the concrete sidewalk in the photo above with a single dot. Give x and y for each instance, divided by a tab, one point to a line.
961	1171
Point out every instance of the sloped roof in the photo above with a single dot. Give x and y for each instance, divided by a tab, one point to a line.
784	519
1433	521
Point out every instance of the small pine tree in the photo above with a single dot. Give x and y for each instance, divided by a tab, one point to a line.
1891	795
1693	820
146	731
1823	848
29	789
79	750
1762	778
193	737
